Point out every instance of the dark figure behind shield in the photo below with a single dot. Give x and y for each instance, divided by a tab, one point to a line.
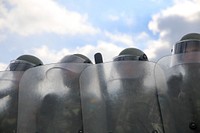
180	104
9	92
134	106
61	112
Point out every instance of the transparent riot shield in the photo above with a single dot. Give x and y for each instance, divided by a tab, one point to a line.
9	82
49	99
177	79
120	97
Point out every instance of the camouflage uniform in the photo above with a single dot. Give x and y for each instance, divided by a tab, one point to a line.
137	111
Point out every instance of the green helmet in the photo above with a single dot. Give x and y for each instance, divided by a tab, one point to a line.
24	62
188	43
131	54
75	58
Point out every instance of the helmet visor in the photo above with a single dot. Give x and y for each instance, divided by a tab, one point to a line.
130	57
19	65
186	46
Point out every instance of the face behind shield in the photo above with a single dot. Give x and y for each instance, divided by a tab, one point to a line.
187	50
187	46
126	55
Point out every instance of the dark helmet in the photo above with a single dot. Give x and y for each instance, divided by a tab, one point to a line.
24	62
75	58
131	54
188	43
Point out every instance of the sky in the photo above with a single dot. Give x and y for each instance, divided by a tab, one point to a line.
52	29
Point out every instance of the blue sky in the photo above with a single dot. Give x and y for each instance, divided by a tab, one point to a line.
51	29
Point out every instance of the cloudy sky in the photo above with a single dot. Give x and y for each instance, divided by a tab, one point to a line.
51	29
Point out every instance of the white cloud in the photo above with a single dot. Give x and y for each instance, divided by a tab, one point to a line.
155	48
123	17
113	17
185	9
141	41
142	36
121	38
2	37
172	23
38	16
3	66
49	55
108	51
156	1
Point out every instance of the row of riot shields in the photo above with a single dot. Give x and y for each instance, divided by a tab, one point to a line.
113	97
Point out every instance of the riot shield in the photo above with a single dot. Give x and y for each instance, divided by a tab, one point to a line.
9	82
120	97
49	99
177	79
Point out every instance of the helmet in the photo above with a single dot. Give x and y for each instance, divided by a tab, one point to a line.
24	62
75	58
131	54
188	43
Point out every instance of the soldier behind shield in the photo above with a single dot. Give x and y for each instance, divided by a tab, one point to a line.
9	94
137	111
61	113
183	88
